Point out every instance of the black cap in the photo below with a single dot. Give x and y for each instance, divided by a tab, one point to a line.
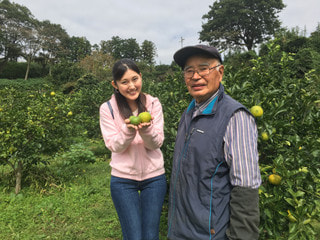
181	56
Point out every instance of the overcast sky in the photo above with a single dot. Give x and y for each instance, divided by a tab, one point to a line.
164	22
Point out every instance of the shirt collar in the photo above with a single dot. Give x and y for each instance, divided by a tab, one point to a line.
200	107
204	104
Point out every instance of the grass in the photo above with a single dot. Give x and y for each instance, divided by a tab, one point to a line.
77	208
73	203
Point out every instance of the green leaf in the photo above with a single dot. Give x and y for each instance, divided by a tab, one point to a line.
293	227
290	201
315	153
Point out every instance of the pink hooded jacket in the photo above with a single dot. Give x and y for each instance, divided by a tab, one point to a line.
135	155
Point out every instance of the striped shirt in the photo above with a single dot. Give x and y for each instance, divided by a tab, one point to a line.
240	148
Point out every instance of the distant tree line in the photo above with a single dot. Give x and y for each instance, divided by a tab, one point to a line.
233	26
23	36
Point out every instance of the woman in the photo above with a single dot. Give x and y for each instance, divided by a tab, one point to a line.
138	184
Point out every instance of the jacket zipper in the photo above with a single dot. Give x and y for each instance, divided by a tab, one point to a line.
182	154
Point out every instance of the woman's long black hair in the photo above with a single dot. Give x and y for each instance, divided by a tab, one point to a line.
119	69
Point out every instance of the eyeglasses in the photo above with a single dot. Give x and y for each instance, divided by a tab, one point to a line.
202	71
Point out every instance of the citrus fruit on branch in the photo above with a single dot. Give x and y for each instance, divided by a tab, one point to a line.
256	111
265	136
274	179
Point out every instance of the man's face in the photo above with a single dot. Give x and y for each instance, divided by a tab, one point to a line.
203	87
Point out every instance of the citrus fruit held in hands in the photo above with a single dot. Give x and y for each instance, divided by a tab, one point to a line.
135	120
274	179
256	111
145	117
265	136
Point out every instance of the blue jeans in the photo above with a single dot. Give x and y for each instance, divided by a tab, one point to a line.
139	206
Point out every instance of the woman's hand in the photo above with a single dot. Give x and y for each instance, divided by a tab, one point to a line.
130	125
145	124
138	127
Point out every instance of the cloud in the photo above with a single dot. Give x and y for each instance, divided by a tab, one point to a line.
302	14
162	22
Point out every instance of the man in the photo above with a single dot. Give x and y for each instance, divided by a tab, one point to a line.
215	173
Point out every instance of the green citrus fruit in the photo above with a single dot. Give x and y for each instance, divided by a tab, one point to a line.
274	179
265	136
256	111
145	117
135	120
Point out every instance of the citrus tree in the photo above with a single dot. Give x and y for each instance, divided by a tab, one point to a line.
88	95
286	107
32	123
174	98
